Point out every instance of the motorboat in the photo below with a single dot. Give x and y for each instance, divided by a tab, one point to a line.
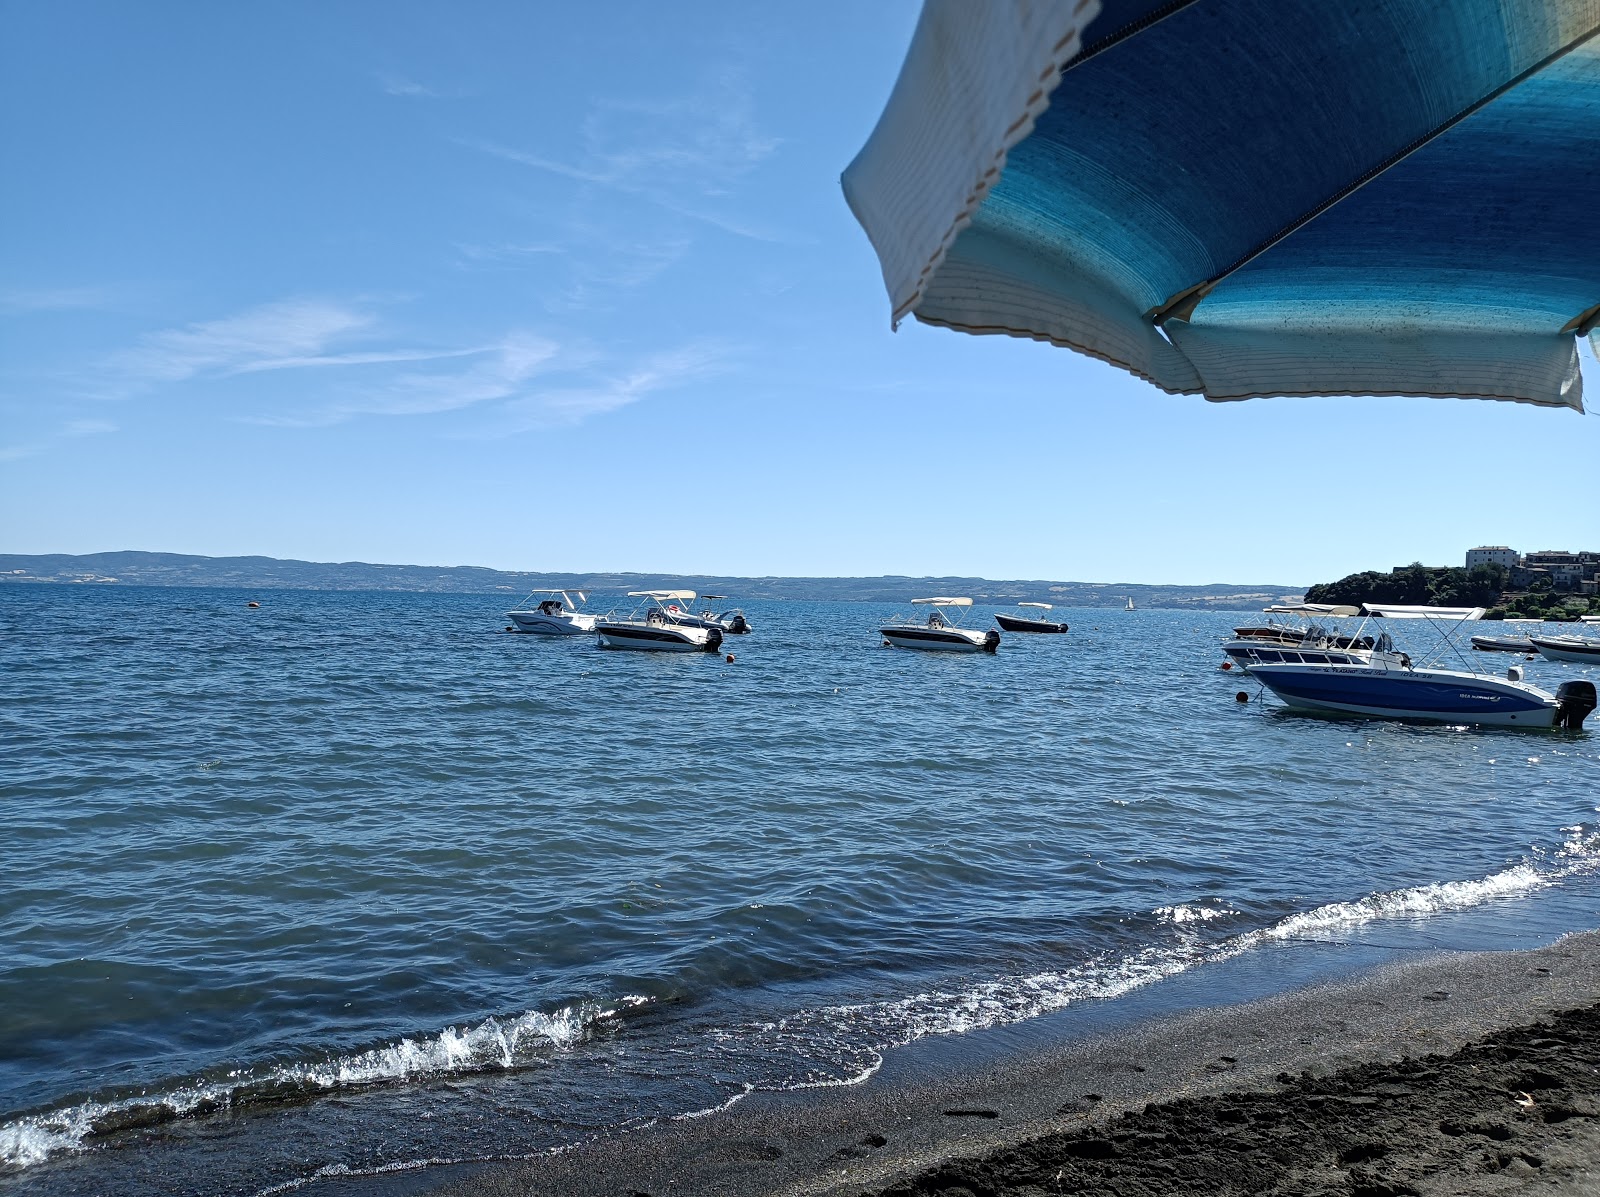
678	606
1503	644
732	622
1029	623
1276	643
1323	610
1386	683
554	615
940	632
1568	648
657	625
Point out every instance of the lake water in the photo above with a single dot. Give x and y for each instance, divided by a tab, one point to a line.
358	880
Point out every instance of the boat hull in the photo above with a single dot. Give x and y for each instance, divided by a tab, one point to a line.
1011	623
1503	644
938	640
1584	653
539	624
1426	695
674	638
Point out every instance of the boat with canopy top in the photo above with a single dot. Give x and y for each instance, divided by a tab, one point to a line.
1029	623
1383	682
655	625
939	632
554	615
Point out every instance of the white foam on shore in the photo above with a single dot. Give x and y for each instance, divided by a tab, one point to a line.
852	1038
495	1044
1007	1000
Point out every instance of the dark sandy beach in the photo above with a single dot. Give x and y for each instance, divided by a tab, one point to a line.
1463	1072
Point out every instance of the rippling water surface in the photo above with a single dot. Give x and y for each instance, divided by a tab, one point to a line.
358	880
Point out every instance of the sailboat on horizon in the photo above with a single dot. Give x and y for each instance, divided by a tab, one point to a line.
1129	607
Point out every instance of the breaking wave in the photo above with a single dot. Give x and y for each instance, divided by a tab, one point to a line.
493	1045
827	1045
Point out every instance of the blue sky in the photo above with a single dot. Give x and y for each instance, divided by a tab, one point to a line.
574	287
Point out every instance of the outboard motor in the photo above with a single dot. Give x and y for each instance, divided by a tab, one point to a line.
713	639
737	626
1574	701
991	641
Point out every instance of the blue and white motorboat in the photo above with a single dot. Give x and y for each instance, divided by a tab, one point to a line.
1381	682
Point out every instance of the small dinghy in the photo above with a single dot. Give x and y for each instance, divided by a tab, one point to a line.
1029	623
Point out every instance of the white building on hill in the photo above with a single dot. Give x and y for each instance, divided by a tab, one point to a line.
1492	554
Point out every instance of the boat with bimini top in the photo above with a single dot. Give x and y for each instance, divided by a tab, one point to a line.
939	632
1029	623
732	622
554	615
657	624
1384	682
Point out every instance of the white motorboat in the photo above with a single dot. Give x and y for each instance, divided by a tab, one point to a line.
656	625
940	632
554	615
1382	682
1275	644
1568	648
1322	610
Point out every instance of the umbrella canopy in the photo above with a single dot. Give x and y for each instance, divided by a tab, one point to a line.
1240	198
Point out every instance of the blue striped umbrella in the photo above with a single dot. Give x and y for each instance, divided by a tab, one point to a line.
1238	198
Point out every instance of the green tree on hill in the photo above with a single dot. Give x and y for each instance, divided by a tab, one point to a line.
1417	585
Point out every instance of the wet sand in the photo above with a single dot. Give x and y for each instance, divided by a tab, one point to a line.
1462	1072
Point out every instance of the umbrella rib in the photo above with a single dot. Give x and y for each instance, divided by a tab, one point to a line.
1585	322
1181	305
1124	32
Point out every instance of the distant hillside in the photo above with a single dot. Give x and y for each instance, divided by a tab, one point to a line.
263	573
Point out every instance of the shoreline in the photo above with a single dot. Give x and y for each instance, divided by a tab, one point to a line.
988	1111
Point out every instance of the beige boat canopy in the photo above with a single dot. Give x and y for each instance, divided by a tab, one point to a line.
943	602
1389	611
664	595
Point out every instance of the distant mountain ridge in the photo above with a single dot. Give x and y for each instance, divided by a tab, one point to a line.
266	573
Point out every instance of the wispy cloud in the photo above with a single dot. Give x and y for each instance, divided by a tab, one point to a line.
71	430
611	390
508	252
499	372
685	155
252	340
399	85
87	427
55	299
524	378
